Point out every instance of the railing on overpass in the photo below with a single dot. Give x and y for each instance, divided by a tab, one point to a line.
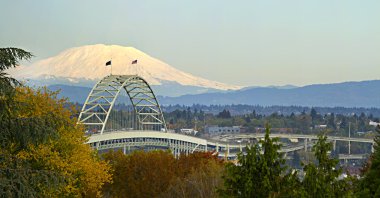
178	143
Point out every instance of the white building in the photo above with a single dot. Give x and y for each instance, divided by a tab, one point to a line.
372	123
321	126
189	131
218	130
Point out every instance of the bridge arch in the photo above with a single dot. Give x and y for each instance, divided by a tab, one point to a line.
102	98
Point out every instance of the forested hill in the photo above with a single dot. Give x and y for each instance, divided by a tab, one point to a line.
347	94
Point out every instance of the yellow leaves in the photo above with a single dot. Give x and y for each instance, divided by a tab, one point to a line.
159	174
38	103
67	153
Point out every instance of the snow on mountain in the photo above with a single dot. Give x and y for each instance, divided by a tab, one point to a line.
88	63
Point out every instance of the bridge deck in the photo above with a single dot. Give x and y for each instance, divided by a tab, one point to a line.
185	143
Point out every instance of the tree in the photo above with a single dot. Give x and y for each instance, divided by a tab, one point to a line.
313	114
140	174
159	174
369	186
321	179
260	173
224	114
9	58
331	121
197	175
45	150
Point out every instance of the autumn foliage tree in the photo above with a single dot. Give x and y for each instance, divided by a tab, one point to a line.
41	135
42	149
141	174
159	174
197	175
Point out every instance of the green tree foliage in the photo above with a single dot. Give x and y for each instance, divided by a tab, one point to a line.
321	178
10	57
262	173
224	114
305	122
42	150
159	174
259	173
369	186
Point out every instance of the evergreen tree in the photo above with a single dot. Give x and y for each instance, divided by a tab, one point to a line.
259	173
224	114
9	58
313	114
321	178
254	114
369	186
331	121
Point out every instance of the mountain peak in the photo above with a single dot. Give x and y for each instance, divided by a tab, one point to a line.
88	62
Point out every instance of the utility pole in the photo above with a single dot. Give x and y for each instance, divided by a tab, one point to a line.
349	136
195	123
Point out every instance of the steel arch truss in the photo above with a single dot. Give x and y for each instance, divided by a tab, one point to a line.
96	110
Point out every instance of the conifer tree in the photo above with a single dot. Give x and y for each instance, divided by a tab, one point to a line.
321	178
10	57
369	186
259	173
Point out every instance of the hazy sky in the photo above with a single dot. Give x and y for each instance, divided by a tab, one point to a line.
267	42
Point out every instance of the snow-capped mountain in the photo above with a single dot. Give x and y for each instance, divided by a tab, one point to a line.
81	65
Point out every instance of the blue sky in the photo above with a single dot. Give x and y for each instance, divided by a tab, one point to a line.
268	42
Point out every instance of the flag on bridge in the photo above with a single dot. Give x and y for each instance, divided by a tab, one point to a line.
108	63
134	62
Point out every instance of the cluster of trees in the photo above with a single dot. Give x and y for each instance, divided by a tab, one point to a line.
160	174
241	109
261	172
42	149
304	122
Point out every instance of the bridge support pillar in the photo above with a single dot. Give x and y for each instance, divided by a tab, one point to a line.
228	151
349	147
334	145
187	148
125	149
178	146
305	141
175	149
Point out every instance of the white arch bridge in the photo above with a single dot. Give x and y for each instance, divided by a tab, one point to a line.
122	112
